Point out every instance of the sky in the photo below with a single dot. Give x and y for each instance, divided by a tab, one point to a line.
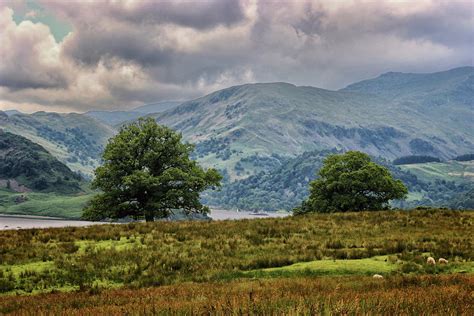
74	56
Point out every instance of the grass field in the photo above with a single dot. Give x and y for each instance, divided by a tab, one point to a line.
297	265
44	204
457	171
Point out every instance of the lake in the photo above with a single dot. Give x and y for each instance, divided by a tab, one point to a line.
23	222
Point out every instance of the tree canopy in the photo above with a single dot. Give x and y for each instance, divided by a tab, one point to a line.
147	172
352	182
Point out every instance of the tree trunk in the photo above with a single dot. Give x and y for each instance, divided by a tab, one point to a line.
149	216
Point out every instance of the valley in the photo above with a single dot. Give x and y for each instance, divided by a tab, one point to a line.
268	140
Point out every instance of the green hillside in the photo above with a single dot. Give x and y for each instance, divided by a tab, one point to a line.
43	204
286	186
451	87
114	117
75	139
457	171
279	118
157	107
26	166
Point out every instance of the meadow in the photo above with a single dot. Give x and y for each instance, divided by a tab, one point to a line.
44	204
302	265
457	171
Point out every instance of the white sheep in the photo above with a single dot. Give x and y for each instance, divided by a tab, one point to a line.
442	261
377	276
431	261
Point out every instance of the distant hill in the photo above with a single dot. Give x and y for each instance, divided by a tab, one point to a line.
26	166
75	139
451	87
12	112
113	118
430	115
457	171
117	118
157	107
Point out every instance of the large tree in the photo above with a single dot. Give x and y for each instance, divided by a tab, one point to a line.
352	182
147	172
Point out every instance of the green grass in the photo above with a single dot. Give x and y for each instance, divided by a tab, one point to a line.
37	266
449	171
366	266
122	244
44	204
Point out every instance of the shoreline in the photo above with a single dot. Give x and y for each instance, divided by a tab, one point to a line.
21	221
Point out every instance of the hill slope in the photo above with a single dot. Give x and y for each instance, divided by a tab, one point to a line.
280	118
286	186
157	107
75	139
26	166
114	117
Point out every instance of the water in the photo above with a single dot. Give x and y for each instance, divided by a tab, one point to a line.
23	222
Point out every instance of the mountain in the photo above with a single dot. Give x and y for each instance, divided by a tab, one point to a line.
453	87
12	112
157	107
113	118
116	118
445	98
26	166
75	139
429	115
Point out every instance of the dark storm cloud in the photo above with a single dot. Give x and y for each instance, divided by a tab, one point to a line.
15	80
195	14
92	45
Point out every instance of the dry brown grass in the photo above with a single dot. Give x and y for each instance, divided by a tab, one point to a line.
399	295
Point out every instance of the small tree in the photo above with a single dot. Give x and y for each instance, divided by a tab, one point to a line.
352	182
147	173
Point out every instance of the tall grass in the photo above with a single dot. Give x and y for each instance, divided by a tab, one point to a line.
163	253
399	295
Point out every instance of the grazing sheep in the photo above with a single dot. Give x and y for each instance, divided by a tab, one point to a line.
431	261
442	261
377	276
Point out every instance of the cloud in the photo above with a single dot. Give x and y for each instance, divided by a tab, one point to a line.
29	55
125	53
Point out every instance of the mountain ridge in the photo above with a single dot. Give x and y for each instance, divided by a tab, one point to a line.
287	119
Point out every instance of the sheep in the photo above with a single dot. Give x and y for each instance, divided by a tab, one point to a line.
377	276
442	261
431	261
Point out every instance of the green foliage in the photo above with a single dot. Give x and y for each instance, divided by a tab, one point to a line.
147	173
32	166
352	182
406	160
282	187
463	200
466	157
